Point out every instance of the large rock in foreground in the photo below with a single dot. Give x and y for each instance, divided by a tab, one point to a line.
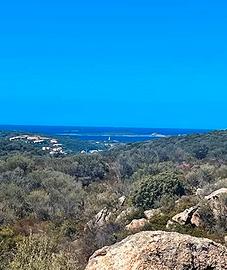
160	250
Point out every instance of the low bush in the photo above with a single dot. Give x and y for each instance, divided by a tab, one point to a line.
153	188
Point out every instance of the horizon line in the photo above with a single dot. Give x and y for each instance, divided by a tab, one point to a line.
101	126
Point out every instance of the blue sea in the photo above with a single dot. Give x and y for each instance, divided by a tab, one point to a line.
101	134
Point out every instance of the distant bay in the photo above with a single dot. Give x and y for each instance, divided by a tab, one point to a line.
101	134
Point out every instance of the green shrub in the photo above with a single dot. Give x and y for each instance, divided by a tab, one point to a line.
39	252
20	161
7	245
207	216
154	188
201	152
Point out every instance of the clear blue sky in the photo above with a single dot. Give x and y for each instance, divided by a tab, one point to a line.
141	63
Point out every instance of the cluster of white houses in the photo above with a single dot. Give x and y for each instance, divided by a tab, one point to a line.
51	145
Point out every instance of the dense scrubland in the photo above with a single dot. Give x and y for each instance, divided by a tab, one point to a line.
48	204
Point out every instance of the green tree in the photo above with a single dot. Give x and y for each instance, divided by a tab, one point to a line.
201	152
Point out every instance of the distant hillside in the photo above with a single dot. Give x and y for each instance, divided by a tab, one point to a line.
189	148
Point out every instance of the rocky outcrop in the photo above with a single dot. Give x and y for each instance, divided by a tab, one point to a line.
216	194
225	239
192	215
160	251
100	219
123	216
121	200
196	219
136	225
149	214
185	216
216	203
170	224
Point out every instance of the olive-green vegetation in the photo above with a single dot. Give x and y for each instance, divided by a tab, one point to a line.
46	202
154	189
